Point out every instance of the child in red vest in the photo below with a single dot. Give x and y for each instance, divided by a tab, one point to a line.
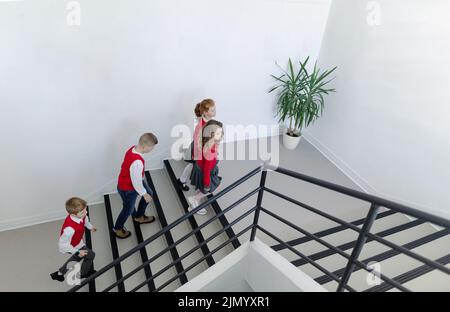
204	111
205	174
132	184
71	239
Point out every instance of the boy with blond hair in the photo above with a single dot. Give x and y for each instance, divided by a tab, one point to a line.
132	184
71	239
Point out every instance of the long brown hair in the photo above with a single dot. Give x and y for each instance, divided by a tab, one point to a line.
209	130
203	107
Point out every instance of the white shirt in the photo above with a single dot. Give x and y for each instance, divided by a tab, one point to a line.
136	169
66	237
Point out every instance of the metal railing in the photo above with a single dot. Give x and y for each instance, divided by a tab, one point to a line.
352	259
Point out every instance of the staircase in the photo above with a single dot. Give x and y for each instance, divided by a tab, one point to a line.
393	248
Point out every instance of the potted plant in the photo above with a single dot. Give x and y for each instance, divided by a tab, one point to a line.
300	98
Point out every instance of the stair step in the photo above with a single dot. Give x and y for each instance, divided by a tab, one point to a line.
224	222
212	228
144	255
192	220
400	264
165	240
124	245
420	273
161	262
172	212
231	171
390	253
435	281
102	247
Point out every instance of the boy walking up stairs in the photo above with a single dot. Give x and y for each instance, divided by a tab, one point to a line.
71	239
132	184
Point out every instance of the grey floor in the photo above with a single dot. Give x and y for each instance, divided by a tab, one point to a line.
30	254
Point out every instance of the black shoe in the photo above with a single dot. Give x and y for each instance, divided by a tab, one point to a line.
183	186
57	277
91	272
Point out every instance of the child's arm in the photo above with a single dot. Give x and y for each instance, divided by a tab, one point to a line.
136	177
64	241
89	225
209	161
198	142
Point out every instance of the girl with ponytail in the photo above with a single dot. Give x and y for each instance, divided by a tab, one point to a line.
204	111
205	172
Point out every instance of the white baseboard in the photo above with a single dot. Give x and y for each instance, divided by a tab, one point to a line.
340	164
17	223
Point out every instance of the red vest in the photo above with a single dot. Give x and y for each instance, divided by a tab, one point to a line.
207	163
125	183
78	227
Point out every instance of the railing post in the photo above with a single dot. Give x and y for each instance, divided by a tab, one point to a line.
262	184
371	216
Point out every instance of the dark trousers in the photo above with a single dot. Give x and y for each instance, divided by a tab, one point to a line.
129	202
86	266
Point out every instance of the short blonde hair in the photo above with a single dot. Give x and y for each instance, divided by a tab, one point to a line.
75	204
148	139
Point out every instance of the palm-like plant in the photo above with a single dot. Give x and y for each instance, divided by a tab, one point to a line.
301	95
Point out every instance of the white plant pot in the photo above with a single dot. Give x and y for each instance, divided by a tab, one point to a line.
291	142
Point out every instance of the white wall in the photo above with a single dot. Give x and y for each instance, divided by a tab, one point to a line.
74	98
388	125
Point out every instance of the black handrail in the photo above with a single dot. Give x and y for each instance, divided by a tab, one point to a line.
360	265
224	222
366	197
370	235
166	229
408	276
211	253
370	219
88	236
330	231
298	253
186	237
315	210
163	221
350	245
198	247
364	233
342	278
388	254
